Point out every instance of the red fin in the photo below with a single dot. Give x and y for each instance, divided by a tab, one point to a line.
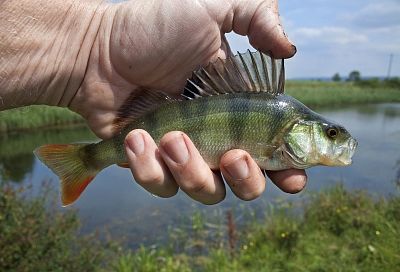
67	164
71	190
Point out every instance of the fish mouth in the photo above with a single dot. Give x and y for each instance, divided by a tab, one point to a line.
342	156
345	156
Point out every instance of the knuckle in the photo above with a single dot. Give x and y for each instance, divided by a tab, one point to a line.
195	184
149	177
250	188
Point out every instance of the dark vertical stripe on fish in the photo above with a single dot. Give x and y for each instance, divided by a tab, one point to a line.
151	124
201	110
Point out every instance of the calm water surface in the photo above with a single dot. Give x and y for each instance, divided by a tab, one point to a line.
115	203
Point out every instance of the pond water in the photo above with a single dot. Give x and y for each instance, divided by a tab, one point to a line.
115	203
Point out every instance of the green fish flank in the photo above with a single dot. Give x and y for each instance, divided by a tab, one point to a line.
236	103
254	122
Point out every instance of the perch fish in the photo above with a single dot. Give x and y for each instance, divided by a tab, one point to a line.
238	102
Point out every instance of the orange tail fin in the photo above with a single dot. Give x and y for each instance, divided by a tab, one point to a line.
67	164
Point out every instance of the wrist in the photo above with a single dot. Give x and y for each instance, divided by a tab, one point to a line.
46	49
79	52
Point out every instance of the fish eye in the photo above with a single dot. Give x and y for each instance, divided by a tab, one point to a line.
332	132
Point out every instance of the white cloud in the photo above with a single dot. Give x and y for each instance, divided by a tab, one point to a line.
339	36
327	34
384	39
375	15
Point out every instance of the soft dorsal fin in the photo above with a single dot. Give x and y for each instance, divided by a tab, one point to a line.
138	104
247	72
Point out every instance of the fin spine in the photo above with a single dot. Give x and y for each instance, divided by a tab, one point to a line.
255	67
202	91
244	83
281	84
264	64
230	78
253	86
215	87
228	87
274	83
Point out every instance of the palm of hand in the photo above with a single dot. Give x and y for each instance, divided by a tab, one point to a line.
138	54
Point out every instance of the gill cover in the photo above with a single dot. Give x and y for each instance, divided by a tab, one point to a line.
311	143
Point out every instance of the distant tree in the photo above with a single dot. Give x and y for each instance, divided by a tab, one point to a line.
354	76
336	77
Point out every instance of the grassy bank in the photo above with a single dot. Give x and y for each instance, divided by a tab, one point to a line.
34	117
311	93
338	231
326	94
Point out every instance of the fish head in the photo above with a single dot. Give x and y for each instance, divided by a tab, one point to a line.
317	142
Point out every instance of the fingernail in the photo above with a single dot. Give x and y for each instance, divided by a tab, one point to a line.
177	150
135	142
294	49
238	169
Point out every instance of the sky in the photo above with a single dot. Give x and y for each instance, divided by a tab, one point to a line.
338	36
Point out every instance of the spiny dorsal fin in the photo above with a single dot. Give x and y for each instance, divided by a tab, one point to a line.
248	72
138	104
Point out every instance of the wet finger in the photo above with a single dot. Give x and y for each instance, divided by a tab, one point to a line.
290	181
242	174
147	167
189	169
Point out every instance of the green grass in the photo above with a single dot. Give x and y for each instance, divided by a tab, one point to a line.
337	231
327	94
311	93
36	238
33	117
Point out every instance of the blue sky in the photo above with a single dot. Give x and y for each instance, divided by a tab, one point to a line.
339	36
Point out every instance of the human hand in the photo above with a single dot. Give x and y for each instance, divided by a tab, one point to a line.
157	44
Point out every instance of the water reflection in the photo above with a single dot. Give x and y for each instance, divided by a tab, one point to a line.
16	157
16	168
397	177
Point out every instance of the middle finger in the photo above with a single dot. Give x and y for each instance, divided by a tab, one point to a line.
189	169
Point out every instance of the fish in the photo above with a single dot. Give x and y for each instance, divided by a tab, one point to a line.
233	103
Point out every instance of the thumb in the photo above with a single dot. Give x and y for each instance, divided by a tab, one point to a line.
259	20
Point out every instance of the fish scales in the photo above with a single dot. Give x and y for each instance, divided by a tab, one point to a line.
233	103
215	124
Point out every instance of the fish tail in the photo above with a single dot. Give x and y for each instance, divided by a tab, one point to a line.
66	162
